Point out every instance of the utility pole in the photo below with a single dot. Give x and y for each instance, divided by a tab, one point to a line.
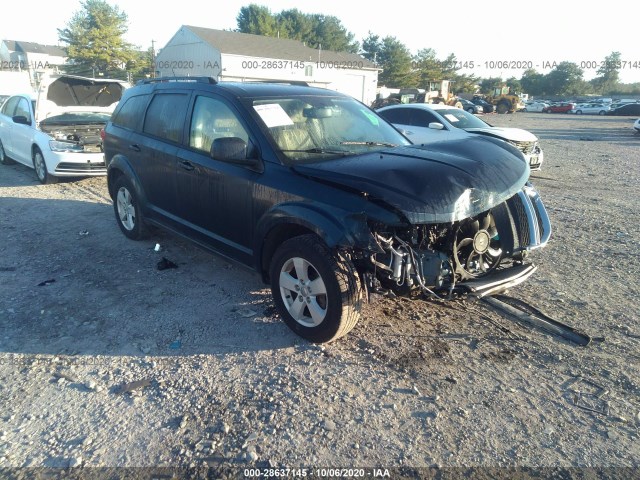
153	58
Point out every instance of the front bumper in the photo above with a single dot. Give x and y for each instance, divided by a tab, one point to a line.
72	164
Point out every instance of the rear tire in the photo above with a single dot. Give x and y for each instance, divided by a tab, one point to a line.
316	291
4	160
127	209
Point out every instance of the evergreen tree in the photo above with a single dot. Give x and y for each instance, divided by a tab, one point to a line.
94	36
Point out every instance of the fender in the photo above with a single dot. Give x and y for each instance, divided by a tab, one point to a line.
336	228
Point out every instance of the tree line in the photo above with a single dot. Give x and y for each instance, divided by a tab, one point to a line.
95	46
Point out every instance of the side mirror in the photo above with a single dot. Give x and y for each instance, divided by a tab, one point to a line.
21	119
436	126
233	150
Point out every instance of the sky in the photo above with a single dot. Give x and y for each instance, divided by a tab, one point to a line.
520	33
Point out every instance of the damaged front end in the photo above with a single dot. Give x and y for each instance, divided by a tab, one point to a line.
484	254
74	138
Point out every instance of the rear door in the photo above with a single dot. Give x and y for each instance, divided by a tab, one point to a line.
22	135
154	151
6	126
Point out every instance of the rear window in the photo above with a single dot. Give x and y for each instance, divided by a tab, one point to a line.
166	116
129	115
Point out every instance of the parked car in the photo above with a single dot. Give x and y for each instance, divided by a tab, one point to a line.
636	125
59	134
559	108
630	109
536	107
424	123
590	109
469	106
486	106
321	196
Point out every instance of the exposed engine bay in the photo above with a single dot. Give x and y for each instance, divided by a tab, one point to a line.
440	257
81	138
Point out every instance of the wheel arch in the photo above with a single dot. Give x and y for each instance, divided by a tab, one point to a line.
292	220
118	167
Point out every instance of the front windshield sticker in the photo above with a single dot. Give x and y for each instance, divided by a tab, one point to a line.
452	118
273	115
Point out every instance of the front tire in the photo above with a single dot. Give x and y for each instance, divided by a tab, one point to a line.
316	291
127	209
40	167
503	107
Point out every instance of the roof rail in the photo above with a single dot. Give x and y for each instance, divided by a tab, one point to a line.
210	80
299	83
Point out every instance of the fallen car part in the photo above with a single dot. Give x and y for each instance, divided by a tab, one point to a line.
165	264
540	320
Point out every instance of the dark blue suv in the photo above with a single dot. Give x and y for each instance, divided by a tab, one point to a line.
321	196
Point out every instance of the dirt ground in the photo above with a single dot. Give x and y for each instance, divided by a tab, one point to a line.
105	361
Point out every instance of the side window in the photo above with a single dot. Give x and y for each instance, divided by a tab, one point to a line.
130	113
397	115
10	106
23	109
422	118
212	119
165	116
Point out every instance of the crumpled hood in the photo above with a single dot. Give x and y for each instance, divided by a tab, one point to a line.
513	134
435	183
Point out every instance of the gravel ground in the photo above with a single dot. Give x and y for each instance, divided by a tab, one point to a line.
105	361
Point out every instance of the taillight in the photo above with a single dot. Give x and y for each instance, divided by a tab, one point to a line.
102	134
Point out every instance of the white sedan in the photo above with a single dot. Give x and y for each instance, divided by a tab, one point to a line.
59	135
427	123
536	107
590	109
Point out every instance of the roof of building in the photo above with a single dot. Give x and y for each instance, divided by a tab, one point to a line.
236	43
32	47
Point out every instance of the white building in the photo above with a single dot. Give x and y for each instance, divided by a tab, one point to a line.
34	58
233	56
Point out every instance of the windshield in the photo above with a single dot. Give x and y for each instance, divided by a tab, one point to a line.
311	129
462	119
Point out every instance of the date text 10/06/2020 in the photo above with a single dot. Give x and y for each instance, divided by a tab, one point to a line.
316	472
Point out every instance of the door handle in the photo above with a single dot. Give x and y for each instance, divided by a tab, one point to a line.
186	165
134	147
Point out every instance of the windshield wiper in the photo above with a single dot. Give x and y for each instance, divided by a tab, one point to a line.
319	150
371	144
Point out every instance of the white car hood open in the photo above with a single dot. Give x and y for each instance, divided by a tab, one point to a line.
68	93
513	134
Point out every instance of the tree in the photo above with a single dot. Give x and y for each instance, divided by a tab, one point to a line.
331	35
565	79
533	82
315	30
608	74
427	67
396	61
371	47
94	36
